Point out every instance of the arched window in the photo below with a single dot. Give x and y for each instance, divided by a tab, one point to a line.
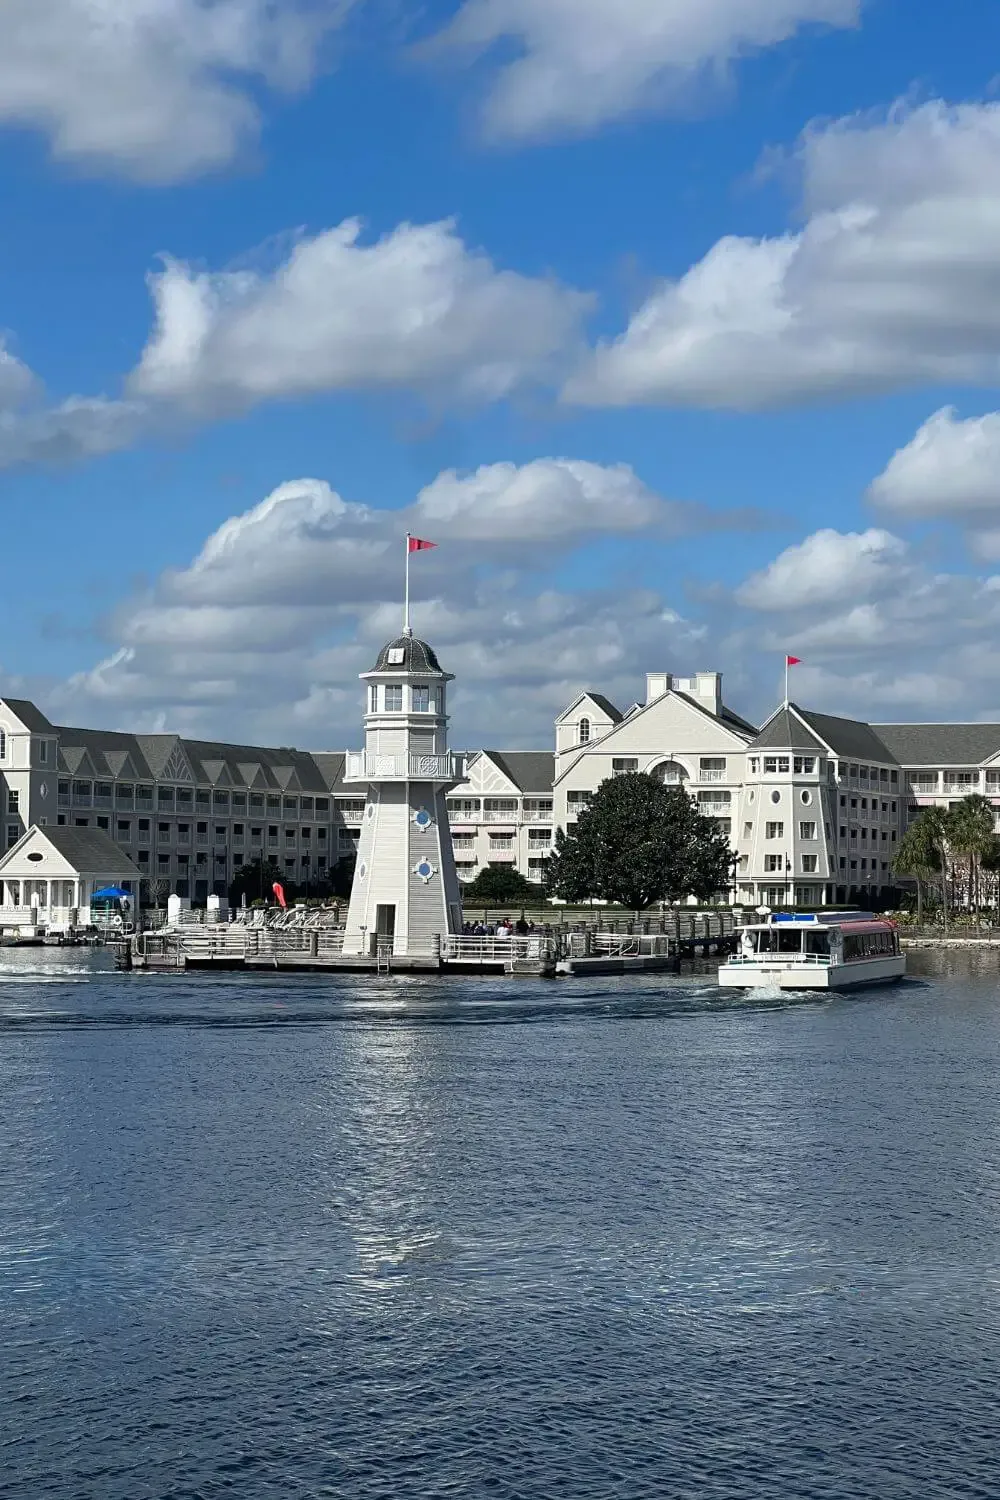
670	773
584	731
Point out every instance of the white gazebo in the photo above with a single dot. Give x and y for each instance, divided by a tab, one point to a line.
47	880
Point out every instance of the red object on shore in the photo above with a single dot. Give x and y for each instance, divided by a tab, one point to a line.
279	893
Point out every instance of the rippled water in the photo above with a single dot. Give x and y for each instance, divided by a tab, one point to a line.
505	1239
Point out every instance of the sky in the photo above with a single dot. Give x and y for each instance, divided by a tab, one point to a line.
675	323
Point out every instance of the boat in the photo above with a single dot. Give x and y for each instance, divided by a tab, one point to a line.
814	951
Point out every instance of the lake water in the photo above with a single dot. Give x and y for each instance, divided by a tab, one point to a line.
405	1238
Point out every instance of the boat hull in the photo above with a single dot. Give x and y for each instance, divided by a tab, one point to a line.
792	976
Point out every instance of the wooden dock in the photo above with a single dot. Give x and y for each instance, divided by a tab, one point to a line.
617	946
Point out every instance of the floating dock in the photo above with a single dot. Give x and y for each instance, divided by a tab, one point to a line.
621	947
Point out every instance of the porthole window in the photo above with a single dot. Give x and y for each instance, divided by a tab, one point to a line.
36	858
807	798
775	795
362	871
750	796
370	810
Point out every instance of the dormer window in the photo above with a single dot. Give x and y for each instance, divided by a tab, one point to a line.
394	698
584	732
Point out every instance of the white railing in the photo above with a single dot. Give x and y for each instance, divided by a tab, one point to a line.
495	815
778	960
707	776
488	949
364	767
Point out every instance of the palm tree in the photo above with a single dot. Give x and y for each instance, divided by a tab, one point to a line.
970	833
919	855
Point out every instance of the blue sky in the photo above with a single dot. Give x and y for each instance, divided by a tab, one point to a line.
746	249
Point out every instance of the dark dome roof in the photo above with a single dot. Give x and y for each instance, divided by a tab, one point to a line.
407	654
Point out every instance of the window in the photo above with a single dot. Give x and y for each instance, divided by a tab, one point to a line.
807	830
13	799
805	765
185	799
583	732
747	830
864	804
372	698
322	805
43	752
772	864
843	832
624	765
220	800
163	829
291	806
421	700
306	806
501	841
256	802
321	835
3	744
394	698
713	762
13	834
774	830
124	828
82	822
539	836
274	804
239	802
165	796
854	802
754	765
773	764
843	801
809	864
854	770
306	835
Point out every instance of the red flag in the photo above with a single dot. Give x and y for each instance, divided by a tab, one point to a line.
793	661
279	892
416	544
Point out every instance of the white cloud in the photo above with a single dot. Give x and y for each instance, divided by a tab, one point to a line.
552	500
893	281
16	380
154	90
584	62
827	568
951	469
78	429
416	309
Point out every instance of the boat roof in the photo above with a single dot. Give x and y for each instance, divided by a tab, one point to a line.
818	919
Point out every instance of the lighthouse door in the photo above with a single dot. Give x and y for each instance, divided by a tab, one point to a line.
385	926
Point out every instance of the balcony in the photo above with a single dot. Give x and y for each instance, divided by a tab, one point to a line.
704	777
363	767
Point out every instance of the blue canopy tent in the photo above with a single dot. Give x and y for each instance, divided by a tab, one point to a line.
111	893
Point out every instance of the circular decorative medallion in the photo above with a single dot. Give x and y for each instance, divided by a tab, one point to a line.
424	870
422	818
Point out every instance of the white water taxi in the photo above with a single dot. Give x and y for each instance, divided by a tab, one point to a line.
832	951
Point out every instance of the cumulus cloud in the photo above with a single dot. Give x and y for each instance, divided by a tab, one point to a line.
77	429
416	309
283	605
827	568
154	90
950	469
894	279
581	63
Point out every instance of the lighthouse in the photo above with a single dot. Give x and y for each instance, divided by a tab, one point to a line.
405	893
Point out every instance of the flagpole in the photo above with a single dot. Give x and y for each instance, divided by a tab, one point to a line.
786	679
406	604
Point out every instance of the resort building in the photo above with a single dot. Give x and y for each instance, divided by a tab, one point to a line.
814	805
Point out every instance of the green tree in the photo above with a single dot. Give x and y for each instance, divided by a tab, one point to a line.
499	885
970	834
255	881
989	860
639	842
918	855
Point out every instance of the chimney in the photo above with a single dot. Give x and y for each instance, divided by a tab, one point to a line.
708	691
657	683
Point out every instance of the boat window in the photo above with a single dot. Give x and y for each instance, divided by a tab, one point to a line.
789	940
817	942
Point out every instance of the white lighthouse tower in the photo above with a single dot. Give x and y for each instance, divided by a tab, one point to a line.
405	891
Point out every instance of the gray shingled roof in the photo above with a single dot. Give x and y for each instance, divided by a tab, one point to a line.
848	737
606	706
150	753
785	731
532	771
417	656
941	744
31	717
92	851
727	717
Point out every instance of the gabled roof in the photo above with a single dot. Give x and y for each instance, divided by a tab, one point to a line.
531	771
726	716
330	764
599	701
784	730
31	717
91	851
941	744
